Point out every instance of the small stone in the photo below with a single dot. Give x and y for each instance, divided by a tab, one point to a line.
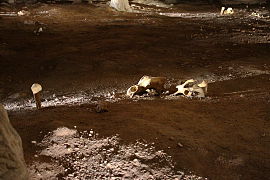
34	142
101	108
180	145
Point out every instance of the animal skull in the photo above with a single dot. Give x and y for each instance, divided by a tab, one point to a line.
135	90
145	83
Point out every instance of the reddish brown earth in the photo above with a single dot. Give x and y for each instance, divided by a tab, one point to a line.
91	49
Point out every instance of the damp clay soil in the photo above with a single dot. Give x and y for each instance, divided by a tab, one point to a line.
89	54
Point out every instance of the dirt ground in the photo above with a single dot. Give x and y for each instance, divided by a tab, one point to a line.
88	54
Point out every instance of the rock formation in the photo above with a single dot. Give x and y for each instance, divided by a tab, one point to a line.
12	164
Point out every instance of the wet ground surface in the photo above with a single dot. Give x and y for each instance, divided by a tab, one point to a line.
90	54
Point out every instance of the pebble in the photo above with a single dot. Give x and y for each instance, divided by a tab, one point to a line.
101	108
180	145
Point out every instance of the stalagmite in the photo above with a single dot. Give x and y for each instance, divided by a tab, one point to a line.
12	164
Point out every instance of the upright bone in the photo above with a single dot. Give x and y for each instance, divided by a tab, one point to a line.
36	90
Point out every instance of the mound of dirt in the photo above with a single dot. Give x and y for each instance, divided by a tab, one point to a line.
82	155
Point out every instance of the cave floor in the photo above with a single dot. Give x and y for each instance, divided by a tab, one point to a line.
88	54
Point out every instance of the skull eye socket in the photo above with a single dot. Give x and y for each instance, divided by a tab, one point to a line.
186	92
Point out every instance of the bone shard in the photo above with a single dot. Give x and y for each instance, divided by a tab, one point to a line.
182	89
228	11
222	10
204	86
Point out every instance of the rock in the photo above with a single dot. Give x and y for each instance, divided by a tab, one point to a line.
38	30
101	108
12	164
180	145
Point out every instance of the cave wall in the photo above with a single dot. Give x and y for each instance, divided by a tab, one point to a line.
243	1
12	164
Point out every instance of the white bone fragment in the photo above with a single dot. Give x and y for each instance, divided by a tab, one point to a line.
222	10
229	11
204	86
23	13
182	89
